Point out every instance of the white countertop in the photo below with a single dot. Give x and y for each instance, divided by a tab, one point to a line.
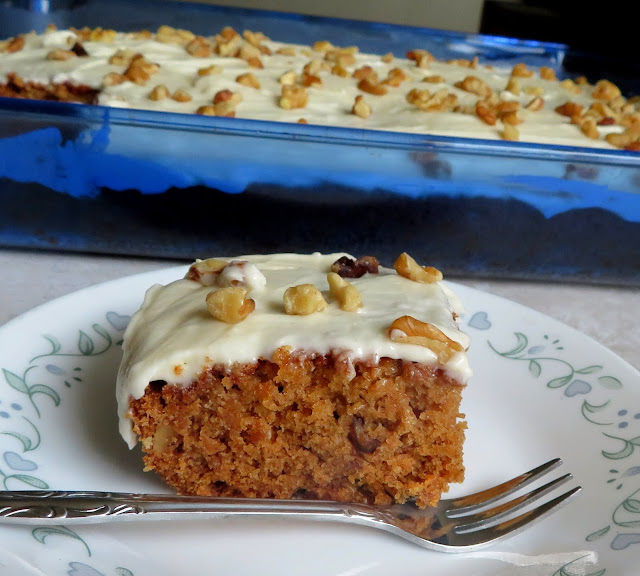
607	314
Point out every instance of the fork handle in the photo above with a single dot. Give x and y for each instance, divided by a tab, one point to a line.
59	507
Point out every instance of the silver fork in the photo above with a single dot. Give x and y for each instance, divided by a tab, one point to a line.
454	525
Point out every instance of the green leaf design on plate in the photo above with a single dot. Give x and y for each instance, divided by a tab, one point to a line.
55	344
535	368
15	381
610	382
85	344
27	479
47	391
588	409
589	370
103	332
559	382
24	440
42	533
522	343
626	451
632	505
598	534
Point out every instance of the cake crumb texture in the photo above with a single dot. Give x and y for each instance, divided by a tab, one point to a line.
307	426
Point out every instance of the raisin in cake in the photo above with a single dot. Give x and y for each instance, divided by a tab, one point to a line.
298	376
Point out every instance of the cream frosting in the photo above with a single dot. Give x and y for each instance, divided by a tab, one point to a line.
329	104
173	337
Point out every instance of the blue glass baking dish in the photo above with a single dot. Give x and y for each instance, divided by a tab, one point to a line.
89	178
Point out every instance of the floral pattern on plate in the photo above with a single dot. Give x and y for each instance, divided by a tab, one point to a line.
545	389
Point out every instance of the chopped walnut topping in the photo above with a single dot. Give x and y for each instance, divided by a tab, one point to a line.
422	58
248	79
227	34
408	330
346	294
14	44
434	79
360	107
302	121
366	72
510	132
230	304
311	80
255	62
513	86
605	90
570	86
254	38
547	73
407	267
589	128
199	47
338	70
511	118
121	57
288	78
303	299
463	62
349	268
181	95
140	70
535	104
395	77
628	140
286	51
293	97
206	272
78	50
388	57
520	70
60	54
343	57
569	109
486	113
366	85
227	96
160	92
474	85
213	69
170	35
100	35
439	101
315	65
113	79
323	46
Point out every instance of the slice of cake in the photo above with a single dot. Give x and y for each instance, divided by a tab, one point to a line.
298	376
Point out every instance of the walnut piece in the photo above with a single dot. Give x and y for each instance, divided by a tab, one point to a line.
159	92
346	294
408	330
230	304
407	267
248	79
303	299
349	268
293	97
206	271
360	107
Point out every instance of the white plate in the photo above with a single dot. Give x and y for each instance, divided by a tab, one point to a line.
540	390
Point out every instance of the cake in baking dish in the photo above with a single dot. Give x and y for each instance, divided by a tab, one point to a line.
299	376
251	76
